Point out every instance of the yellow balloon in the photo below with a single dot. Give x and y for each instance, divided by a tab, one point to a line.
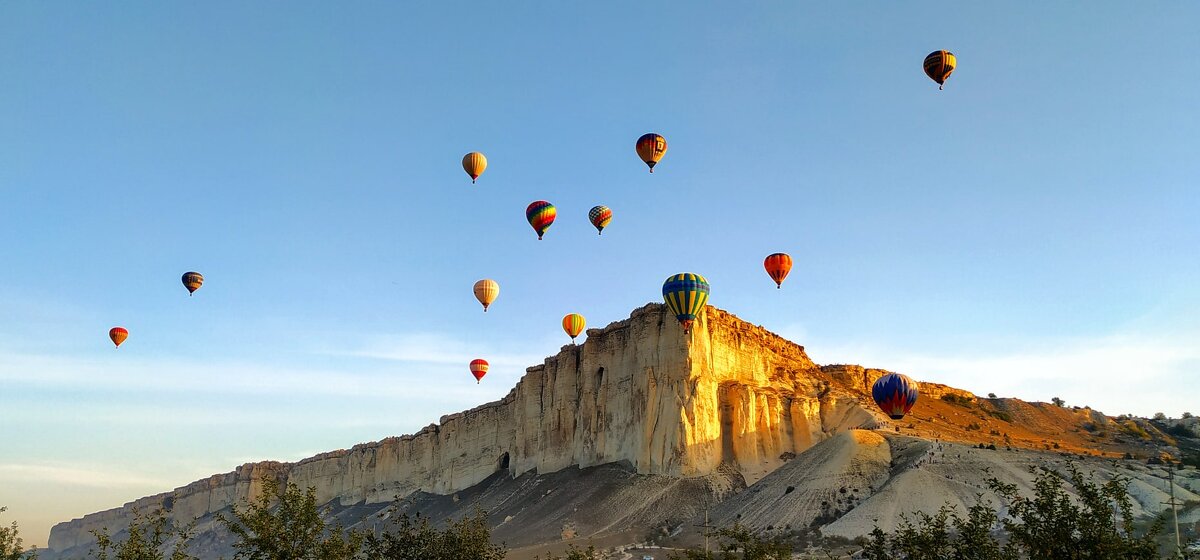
474	163
486	291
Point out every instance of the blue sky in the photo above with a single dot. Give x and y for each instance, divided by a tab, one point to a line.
1031	230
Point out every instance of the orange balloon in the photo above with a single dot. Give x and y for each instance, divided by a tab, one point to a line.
778	265
118	335
651	147
573	324
486	291
474	163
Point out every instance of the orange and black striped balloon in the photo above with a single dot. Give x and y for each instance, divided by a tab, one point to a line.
778	266
651	147
192	281
118	335
939	65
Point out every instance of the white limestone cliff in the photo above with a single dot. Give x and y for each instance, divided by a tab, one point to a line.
638	391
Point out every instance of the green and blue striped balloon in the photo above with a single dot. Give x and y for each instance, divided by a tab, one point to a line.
686	295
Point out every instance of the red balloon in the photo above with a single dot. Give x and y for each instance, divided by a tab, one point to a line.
479	368
118	335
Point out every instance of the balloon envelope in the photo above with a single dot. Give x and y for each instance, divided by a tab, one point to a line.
895	394
938	66
686	294
474	163
486	291
192	281
778	266
651	147
479	368
118	335
540	215
600	216
573	323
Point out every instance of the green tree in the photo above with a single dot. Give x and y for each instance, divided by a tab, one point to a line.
413	538
740	542
147	538
284	523
1099	525
11	545
1095	524
576	553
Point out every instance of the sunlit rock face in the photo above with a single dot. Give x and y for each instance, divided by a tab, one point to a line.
638	391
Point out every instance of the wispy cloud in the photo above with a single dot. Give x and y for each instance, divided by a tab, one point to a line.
424	362
436	349
49	473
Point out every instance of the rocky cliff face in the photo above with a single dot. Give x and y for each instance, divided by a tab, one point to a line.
638	392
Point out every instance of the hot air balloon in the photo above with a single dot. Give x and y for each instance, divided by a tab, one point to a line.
686	294
778	266
651	147
600	217
540	215
895	394
939	65
573	324
474	163
486	291
118	335
479	369
192	281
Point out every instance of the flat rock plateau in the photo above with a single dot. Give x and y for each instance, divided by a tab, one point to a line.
639	431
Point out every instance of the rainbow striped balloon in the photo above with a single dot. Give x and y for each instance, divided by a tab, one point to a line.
600	217
686	295
540	215
895	394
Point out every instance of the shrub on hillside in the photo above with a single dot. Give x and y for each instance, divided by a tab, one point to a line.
1132	427
413	538
1097	523
146	538
742	543
958	400
573	553
285	523
1002	415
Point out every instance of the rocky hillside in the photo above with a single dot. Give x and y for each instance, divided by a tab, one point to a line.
641	410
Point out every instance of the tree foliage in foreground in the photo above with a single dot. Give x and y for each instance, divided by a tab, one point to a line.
575	553
11	545
146	538
1096	524
285	523
414	538
740	542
